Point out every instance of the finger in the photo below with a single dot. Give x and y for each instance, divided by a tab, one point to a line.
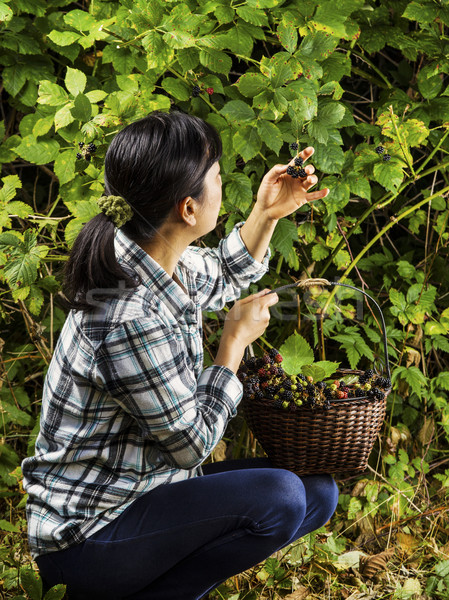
310	181
307	152
309	169
269	299
275	172
317	195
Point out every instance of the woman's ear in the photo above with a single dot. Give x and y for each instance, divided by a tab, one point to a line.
188	210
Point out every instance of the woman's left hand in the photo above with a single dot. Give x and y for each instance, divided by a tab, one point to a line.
280	195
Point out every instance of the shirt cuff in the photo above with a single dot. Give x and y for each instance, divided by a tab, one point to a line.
222	388
237	253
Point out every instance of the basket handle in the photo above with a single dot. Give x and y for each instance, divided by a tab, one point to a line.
306	283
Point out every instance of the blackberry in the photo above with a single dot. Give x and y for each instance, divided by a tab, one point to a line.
196	90
383	383
310	388
251	362
321	385
302	173
291	171
210	90
266	359
91	148
359	393
299	161
302	377
79	156
259	363
327	405
386	157
273	352
81	145
380	150
253	380
287	395
270	389
278	403
287	384
369	373
294	146
87	157
259	394
280	371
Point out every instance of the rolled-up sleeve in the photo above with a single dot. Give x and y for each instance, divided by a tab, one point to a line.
222	273
147	371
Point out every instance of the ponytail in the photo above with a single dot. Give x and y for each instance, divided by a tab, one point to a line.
92	265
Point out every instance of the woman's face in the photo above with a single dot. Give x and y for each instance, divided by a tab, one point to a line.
211	200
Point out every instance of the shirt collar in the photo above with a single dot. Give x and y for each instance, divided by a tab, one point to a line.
131	256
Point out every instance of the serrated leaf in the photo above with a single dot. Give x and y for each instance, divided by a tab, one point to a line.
82	109
6	13
314	371
246	142
176	88
284	236
32	583
359	185
7	526
328	367
271	135
38	152
251	84
64	117
56	593
288	33
52	94
63	38
80	20
11	183
215	60
237	111
64	166
318	131
239	191
14	78
178	39
252	15
389	175
296	352
75	81
331	114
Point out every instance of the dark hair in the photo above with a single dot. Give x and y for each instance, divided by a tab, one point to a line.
153	163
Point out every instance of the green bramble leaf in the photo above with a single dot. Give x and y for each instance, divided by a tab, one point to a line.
271	135
285	234
247	142
296	353
288	33
82	109
251	84
64	166
75	81
38	152
63	38
215	60
6	13
52	94
239	191
237	111
31	583
56	593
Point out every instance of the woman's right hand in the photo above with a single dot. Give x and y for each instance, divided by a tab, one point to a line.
249	317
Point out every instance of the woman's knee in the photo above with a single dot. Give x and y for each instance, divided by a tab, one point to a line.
322	492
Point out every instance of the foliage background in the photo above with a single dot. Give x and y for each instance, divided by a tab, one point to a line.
343	77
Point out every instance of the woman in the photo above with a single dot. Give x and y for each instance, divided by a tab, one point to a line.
118	504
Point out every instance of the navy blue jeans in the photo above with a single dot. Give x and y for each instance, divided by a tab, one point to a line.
181	540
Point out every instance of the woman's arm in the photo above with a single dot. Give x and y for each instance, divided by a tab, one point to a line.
279	195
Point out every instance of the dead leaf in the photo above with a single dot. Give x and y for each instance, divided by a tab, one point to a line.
371	565
407	542
426	432
300	594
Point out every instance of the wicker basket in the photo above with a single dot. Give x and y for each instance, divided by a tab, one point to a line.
309	441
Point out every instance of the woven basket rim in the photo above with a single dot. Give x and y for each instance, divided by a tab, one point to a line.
268	401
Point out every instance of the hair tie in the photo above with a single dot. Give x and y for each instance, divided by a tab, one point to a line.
116	208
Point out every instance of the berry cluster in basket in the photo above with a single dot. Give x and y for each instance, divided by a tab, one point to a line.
264	378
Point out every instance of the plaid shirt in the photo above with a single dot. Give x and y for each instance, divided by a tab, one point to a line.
126	403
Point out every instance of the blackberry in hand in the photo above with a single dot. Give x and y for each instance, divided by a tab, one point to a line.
299	161
291	171
302	173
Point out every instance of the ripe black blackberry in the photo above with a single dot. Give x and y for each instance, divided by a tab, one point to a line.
196	90
81	144
91	148
299	161
287	384
380	150
321	385
302	173
273	352
291	171
79	156
383	382
270	390
259	363
369	373
302	377
259	394
359	393
278	403
310	389
251	363
294	146
287	395
386	157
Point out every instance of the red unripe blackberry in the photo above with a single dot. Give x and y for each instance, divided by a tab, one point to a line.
278	358
210	91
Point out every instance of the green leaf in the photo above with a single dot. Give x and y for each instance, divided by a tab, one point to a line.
359	185
296	352
251	84
52	94
421	12
319	252
7	526
277	68
63	38
215	60
442	380
176	88
179	39
271	135
314	371
285	234
331	114
56	593
328	367
252	15
64	117
75	81
389	175
64	166
239	191
82	109
80	20
318	131
288	33
38	152
247	143
11	183
14	78
32	583
6	13
237	111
